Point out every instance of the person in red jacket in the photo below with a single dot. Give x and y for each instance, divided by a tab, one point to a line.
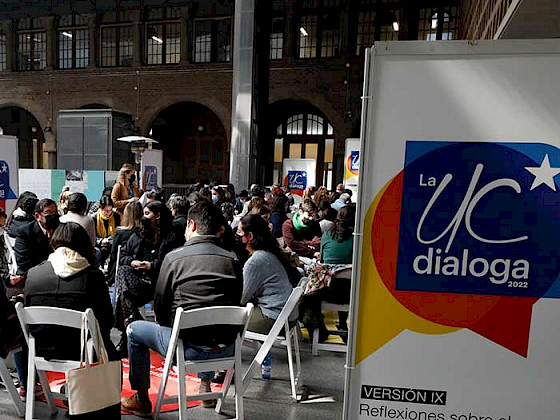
301	233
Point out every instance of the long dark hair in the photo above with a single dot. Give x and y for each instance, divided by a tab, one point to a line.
72	235
262	237
26	201
343	225
163	227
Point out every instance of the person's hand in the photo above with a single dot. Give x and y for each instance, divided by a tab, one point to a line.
16	279
136	264
146	265
316	241
317	255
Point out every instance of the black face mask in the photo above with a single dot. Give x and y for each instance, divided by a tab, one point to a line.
52	221
146	222
132	178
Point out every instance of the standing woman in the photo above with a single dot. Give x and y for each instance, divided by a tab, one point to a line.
125	190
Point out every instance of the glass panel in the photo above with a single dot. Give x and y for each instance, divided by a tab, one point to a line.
390	31
203	42
217	157
295	151
329	130
223	43
126	46
277	39
314	125
65	20
278	149
308	37
3	53
279	129
329	150
155	13
82	48
32	51
450	24
65	49
427	26
366	31
295	125
108	47
330	38
311	151
172	43
155	43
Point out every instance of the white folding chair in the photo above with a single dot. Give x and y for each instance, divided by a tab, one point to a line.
316	346
46	315
115	291
10	387
273	337
215	315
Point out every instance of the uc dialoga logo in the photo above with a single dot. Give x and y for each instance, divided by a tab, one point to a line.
353	163
296	181
479	218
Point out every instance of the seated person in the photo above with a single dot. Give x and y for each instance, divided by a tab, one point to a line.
106	222
325	215
278	208
336	255
140	262
265	274
22	213
77	204
179	207
199	275
70	280
301	233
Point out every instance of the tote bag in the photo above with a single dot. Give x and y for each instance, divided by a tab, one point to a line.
93	386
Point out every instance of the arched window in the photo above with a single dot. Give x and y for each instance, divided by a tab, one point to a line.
305	136
437	24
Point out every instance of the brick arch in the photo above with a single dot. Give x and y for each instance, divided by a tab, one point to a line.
194	140
220	109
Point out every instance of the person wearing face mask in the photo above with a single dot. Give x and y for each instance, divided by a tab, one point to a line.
301	233
106	222
32	241
225	206
140	262
125	189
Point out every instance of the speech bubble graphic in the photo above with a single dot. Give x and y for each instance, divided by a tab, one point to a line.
352	164
504	320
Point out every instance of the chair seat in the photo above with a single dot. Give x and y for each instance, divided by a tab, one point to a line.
210	364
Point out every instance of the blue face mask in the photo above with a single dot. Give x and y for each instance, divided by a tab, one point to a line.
215	199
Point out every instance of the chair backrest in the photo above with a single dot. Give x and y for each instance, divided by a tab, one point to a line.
48	315
213	315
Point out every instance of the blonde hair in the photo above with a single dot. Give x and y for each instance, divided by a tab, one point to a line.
126	169
132	215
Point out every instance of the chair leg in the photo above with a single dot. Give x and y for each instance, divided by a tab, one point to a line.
181	380
314	346
288	336
30	388
295	334
47	390
239	390
225	390
163	384
9	384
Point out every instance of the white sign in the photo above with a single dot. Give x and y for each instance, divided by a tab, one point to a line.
352	166
8	172
298	174
453	310
152	169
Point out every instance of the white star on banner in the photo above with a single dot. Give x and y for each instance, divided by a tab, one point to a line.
544	174
4	167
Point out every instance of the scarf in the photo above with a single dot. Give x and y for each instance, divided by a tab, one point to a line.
298	224
101	231
66	262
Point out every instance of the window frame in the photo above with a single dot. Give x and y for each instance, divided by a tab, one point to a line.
3	52
320	12
29	34
121	22
214	47
72	29
165	44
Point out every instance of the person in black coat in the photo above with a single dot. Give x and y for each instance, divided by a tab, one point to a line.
179	207
69	279
132	216
22	214
32	241
140	262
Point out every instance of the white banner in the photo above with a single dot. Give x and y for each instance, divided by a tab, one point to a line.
8	172
152	167
298	174
352	166
453	312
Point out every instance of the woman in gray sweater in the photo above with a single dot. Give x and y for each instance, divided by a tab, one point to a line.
265	279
